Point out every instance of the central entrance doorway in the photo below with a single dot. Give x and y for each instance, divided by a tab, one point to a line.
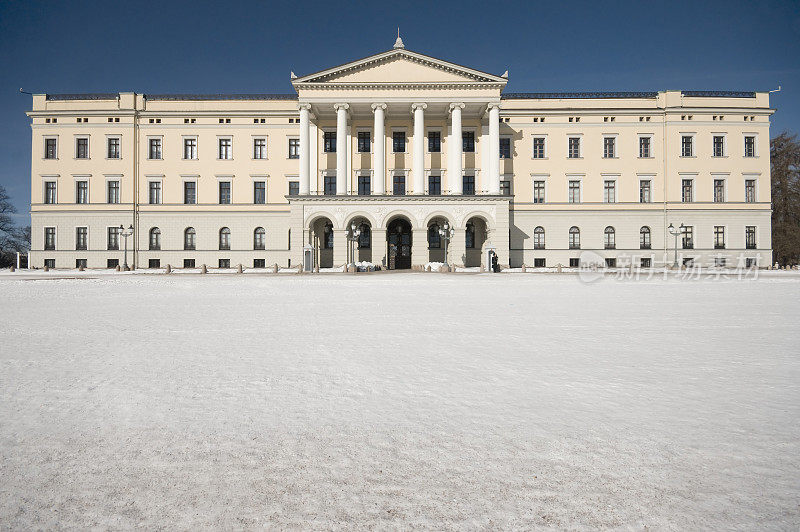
398	236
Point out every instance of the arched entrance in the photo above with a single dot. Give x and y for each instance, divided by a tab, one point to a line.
321	238
398	238
436	244
361	249
474	238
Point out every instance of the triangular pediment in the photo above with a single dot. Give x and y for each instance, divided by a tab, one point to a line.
398	66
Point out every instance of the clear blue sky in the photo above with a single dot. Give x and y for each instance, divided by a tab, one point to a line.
245	47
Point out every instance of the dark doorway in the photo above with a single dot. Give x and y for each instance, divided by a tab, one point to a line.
399	238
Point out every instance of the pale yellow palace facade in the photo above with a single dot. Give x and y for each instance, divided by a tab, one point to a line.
400	145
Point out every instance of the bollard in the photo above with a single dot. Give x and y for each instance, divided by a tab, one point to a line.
169	269
239	269
13	269
275	268
118	268
47	268
203	269
316	268
524	268
299	269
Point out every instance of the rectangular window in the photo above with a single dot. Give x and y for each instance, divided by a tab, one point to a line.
113	192
468	141
574	148
364	185
294	188
294	148
224	263
50	149
645	262
688	237
399	185
538	147
505	148
574	192
610	191
687	146
81	238
81	192
644	191
719	237
749	146
225	149
190	149
49	238
434	141
259	263
155	149
364	142
399	141
259	148
155	192
153	263
80	263
82	148
719	190
330	185
188	263
50	263
259	192
50	192
538	191
574	262
540	263
750	190
328	142
113	148
750	237
113	238
224	192
434	185
609	147
719	146
644	147
611	262
469	185
686	191
189	192
505	187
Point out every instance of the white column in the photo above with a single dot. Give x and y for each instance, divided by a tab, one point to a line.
305	152
418	155
341	147
379	150
493	185
455	171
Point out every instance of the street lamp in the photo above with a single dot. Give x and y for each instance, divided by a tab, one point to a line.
675	232
355	232
446	233
126	233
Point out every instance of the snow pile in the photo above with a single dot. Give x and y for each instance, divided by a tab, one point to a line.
433	266
399	401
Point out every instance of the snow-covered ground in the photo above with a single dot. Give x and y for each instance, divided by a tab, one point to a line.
399	400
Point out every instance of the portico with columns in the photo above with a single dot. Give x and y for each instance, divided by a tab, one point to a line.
383	139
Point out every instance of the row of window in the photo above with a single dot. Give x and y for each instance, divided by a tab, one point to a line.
225	146
398	188
609	237
645	191
575	146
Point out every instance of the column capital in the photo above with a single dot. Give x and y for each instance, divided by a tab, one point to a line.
338	106
456	106
306	106
376	106
415	106
493	105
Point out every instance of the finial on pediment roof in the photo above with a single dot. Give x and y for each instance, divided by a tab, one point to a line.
292	75
505	75
399	42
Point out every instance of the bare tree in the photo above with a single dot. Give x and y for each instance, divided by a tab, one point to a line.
785	172
12	239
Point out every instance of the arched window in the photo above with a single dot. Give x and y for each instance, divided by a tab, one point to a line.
434	238
574	238
470	236
365	237
609	238
189	238
644	237
224	238
155	238
538	238
259	237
